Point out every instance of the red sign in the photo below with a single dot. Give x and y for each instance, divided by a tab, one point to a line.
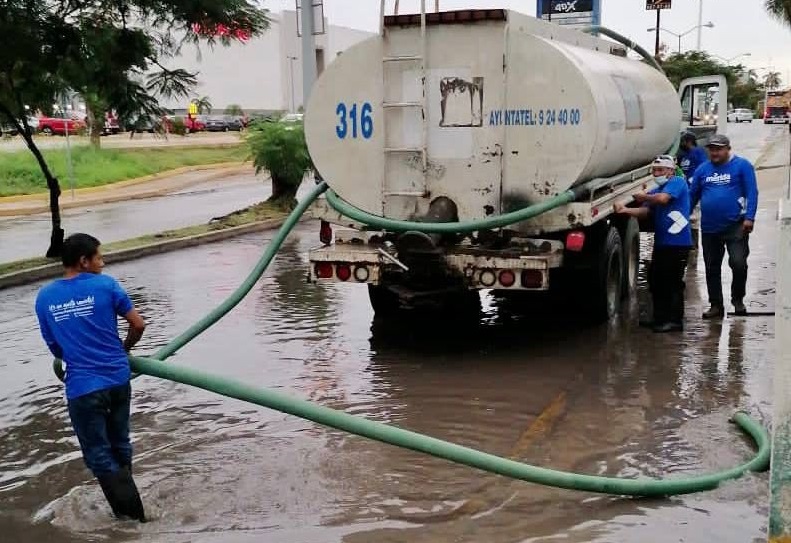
221	31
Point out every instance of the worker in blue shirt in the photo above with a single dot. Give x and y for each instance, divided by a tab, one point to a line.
668	205
727	191
78	319
690	156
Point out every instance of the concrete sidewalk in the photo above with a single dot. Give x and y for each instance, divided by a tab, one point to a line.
132	189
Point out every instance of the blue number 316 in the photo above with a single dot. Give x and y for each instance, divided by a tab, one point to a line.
348	118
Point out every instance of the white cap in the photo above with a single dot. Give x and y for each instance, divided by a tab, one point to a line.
664	161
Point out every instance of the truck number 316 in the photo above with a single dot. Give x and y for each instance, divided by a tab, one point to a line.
352	120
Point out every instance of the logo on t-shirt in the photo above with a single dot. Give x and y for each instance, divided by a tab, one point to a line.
72	308
719	179
679	222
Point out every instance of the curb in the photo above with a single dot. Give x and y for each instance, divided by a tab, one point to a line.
55	269
98	195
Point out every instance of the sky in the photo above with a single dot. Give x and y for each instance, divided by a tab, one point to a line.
740	26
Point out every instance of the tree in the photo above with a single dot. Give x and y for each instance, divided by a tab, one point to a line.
279	148
112	52
203	104
234	110
780	9
772	80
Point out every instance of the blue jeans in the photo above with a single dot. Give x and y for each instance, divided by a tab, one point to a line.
101	421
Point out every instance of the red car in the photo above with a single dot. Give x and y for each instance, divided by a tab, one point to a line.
56	125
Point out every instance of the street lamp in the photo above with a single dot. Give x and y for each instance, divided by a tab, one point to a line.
291	66
679	36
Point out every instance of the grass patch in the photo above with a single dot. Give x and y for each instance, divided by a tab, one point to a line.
259	212
20	174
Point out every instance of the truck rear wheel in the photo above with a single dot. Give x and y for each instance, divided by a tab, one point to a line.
607	288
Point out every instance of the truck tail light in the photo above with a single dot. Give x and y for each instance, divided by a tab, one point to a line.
343	271
575	241
532	279
507	278
487	278
325	233
362	274
324	270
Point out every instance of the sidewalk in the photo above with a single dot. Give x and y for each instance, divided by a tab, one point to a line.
132	189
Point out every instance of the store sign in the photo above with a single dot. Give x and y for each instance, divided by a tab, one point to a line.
574	13
652	5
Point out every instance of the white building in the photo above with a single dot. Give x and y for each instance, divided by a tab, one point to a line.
257	75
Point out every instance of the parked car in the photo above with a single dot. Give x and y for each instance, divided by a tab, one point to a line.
58	126
194	124
741	115
224	123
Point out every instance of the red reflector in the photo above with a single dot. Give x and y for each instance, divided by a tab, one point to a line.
575	241
507	278
343	271
532	279
325	233
324	270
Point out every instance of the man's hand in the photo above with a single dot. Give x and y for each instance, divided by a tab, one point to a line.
747	226
640	197
618	208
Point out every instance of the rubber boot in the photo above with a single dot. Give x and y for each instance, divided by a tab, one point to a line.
739	308
714	312
121	492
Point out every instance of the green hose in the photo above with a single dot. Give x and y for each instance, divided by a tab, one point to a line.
391	225
456	453
620	38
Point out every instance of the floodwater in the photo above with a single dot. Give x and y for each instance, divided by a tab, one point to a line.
611	399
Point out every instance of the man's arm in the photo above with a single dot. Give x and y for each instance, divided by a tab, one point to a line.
638	212
136	327
49	338
695	189
750	188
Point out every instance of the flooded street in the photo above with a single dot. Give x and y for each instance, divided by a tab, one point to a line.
610	399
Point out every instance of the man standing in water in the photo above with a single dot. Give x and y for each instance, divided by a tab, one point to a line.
78	319
727	190
668	206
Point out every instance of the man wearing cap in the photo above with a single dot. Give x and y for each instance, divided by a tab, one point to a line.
690	156
726	188
668	205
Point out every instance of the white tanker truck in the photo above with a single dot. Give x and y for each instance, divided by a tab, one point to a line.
460	116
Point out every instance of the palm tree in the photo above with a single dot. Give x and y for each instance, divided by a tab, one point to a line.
772	80
780	9
203	104
235	110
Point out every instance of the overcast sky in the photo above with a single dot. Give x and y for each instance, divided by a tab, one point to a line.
741	26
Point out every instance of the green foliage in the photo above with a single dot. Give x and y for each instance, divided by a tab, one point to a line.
203	104
280	149
178	127
780	9
234	110
95	167
743	89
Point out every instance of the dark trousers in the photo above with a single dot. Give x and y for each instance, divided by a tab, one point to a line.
101	422
666	281
714	245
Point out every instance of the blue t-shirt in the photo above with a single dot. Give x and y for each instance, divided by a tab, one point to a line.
671	221
728	194
78	320
689	161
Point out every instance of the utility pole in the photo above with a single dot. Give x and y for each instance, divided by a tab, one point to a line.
700	23
308	51
656	47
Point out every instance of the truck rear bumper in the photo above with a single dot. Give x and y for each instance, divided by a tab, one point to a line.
362	258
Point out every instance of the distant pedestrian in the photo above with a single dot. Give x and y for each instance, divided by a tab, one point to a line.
78	319
668	206
727	191
690	156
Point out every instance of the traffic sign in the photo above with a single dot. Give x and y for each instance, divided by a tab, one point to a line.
651	5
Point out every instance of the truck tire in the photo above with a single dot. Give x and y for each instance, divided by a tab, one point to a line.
607	288
630	242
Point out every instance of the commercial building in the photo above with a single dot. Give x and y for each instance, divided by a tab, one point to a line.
264	74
